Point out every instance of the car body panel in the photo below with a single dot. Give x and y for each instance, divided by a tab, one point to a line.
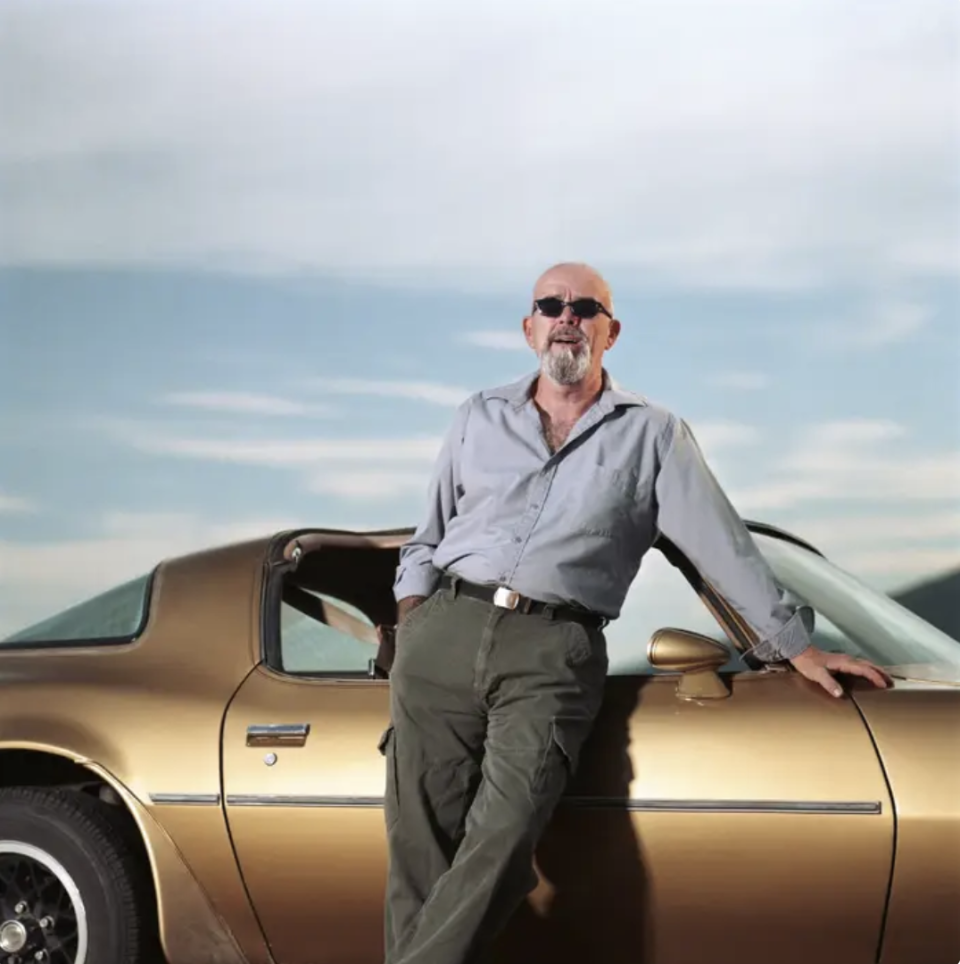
149	714
916	727
759	877
310	840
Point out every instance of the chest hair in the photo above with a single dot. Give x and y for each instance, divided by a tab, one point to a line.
556	430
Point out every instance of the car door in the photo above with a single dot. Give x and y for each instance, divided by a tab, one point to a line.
303	787
746	829
752	828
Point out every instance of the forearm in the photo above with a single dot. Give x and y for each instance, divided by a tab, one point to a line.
416	575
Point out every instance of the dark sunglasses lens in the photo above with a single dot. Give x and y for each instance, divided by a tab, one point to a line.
551	307
585	308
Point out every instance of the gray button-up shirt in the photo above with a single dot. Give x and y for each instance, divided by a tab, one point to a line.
571	527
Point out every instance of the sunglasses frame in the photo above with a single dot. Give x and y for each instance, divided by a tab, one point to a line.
570	304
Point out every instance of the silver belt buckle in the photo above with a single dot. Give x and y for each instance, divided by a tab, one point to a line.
506	598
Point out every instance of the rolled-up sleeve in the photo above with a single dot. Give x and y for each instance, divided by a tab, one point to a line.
416	575
695	514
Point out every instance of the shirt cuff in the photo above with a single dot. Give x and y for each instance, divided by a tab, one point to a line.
415	580
787	643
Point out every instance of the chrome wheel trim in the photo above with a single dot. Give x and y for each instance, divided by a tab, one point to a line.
51	864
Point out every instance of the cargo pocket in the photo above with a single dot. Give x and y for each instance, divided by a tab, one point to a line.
558	762
391	800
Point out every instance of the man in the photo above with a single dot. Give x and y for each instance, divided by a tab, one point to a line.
545	497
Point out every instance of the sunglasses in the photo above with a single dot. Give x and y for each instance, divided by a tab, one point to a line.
581	307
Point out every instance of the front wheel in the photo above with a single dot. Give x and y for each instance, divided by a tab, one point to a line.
71	888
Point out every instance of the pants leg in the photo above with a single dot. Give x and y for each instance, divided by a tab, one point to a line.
541	684
433	747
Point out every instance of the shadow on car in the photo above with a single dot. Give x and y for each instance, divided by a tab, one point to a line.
592	902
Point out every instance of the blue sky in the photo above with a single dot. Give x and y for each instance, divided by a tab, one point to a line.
244	284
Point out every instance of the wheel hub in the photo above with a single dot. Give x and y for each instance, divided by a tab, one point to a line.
13	937
42	914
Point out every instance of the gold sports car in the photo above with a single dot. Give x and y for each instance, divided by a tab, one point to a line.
190	770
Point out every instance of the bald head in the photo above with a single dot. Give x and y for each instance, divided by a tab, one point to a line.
573	279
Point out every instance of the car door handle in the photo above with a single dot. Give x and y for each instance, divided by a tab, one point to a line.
277	734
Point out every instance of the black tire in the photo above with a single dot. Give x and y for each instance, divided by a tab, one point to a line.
43	828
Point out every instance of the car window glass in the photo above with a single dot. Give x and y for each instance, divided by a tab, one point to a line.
853	618
310	646
117	614
659	597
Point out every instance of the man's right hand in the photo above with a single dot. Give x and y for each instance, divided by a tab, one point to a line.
406	605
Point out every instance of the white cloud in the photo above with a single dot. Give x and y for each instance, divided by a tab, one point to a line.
290	453
435	394
714	437
773	145
38	579
848	461
853	432
887	550
894	567
243	403
369	486
887	324
741	381
15	504
845	532
504	340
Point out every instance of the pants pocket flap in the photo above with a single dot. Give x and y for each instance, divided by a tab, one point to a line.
385	740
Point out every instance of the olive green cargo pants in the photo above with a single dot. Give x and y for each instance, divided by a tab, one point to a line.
489	711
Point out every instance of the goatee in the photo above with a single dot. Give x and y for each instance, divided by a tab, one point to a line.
566	365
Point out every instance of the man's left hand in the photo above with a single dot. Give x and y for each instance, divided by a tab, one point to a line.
818	666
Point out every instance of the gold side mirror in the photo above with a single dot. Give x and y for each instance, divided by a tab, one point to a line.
696	657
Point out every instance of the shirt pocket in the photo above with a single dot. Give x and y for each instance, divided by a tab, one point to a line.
600	500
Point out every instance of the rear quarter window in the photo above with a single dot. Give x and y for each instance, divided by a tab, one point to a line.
117	615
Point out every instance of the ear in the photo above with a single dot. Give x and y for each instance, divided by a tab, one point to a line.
528	331
614	333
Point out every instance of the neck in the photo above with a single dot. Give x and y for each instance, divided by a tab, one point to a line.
549	395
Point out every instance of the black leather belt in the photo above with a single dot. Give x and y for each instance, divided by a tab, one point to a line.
511	599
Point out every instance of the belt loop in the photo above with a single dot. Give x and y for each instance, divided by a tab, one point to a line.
549	612
454	585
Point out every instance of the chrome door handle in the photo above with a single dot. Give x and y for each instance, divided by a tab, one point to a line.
277	734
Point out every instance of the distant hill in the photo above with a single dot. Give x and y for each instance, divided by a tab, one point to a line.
937	601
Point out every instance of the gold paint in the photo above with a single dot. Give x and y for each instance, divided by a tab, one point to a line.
696	657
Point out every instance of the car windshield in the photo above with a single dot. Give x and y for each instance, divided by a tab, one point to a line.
853	618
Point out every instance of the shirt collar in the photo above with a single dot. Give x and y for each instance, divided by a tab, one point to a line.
612	396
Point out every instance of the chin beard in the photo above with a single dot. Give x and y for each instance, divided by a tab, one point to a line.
564	366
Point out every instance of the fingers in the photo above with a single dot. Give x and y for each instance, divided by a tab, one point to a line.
862	668
871	673
822	676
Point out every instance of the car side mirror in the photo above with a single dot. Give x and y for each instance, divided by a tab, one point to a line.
697	658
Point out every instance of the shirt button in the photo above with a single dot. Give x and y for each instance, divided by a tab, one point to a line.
517	539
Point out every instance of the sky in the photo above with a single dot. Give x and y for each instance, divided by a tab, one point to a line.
253	255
